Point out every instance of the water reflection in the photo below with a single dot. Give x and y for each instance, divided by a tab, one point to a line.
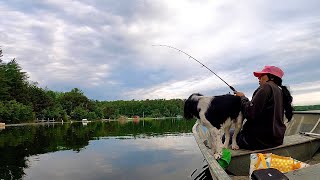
98	150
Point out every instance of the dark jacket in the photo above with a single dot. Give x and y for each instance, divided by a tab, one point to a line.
264	127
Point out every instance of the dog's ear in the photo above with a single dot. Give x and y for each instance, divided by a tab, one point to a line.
188	104
195	94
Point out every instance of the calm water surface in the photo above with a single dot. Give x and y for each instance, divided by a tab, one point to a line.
153	149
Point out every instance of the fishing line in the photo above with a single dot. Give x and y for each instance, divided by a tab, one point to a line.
198	62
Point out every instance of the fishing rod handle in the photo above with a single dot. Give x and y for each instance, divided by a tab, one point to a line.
232	88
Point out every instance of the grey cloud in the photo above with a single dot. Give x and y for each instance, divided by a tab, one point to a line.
107	44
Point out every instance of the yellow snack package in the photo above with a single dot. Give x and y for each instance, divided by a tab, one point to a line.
269	160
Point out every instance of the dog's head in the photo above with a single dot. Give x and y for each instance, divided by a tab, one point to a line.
190	106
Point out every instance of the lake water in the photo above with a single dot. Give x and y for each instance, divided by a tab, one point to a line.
153	149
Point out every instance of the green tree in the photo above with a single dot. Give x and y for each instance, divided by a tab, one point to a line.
4	90
73	99
39	99
79	113
92	116
15	112
17	82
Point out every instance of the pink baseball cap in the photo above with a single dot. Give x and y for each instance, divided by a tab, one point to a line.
271	70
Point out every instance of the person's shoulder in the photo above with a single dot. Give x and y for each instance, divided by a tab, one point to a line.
266	86
271	85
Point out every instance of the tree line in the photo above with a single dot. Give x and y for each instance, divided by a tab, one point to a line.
307	108
22	100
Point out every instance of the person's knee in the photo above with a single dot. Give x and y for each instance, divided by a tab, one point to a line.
242	142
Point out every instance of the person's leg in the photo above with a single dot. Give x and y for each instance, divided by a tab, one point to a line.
242	142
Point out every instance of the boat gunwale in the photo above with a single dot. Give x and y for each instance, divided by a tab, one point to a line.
214	167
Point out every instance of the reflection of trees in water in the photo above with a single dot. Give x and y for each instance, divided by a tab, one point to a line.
12	162
18	143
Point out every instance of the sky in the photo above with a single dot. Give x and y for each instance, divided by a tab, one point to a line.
105	47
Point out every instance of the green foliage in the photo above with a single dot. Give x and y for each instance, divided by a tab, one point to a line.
16	79
73	99
142	108
4	86
39	99
55	112
15	112
79	113
307	108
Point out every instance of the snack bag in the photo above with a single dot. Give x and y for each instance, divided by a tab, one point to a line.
269	160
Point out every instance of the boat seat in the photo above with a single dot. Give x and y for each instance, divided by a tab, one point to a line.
312	172
288	141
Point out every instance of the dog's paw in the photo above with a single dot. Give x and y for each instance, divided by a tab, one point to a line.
205	142
235	147
217	155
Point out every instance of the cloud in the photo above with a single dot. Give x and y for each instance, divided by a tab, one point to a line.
306	93
46	49
105	47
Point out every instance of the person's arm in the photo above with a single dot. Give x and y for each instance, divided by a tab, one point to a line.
253	109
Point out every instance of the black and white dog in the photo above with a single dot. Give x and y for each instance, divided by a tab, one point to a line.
217	114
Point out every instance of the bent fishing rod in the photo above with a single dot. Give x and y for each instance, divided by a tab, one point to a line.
196	61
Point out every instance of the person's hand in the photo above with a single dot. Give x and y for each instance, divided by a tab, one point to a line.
239	94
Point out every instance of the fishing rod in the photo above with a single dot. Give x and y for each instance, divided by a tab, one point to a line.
198	62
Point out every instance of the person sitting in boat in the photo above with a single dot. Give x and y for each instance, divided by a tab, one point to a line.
265	126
